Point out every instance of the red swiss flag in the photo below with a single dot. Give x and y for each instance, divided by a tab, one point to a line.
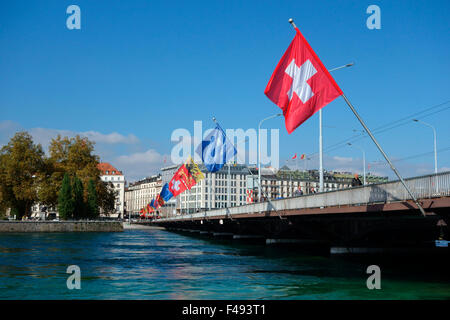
180	181
300	84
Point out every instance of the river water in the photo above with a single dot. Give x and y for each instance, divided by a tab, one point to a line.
157	264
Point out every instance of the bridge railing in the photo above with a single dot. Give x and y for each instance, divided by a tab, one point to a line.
423	187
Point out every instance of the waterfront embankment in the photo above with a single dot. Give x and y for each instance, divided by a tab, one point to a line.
61	226
138	226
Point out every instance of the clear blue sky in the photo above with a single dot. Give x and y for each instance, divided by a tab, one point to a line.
144	68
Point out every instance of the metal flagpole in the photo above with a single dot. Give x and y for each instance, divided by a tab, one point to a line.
291	21
196	191
320	153
321	135
229	186
248	169
210	190
384	154
259	151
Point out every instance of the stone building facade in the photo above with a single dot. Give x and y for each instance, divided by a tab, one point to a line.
140	193
116	180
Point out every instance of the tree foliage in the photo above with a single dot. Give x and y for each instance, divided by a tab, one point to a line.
107	198
92	201
76	157
78	199
68	155
28	176
21	162
66	206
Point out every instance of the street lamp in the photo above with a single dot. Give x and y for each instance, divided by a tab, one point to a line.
435	150
364	161
259	152
321	134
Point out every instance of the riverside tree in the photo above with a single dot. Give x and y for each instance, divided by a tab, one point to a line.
92	201
107	198
27	176
76	157
78	199
68	155
21	162
66	206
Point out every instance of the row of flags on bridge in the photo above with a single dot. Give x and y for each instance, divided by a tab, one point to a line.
300	86
215	151
302	157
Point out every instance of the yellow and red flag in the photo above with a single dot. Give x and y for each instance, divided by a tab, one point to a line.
195	172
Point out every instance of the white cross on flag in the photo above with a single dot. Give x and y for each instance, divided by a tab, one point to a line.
179	182
249	196
300	84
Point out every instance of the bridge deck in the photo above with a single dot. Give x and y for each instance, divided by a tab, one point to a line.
433	191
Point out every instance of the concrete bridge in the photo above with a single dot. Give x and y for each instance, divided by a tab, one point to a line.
377	215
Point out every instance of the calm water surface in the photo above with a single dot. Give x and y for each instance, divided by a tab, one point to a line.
157	264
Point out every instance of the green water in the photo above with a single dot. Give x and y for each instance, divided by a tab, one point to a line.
157	264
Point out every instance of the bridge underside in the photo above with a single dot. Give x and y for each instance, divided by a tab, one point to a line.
396	224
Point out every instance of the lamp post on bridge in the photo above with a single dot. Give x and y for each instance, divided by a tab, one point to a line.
259	152
435	149
321	135
434	134
364	161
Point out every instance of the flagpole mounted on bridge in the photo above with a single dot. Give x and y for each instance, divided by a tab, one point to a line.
352	108
291	21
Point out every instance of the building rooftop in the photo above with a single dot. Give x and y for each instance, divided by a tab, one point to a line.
107	169
154	178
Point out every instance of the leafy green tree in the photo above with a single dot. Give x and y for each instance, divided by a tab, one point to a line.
74	156
27	176
50	181
66	206
107	198
3	209
92	201
78	199
21	162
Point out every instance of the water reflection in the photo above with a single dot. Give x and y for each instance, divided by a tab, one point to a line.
156	264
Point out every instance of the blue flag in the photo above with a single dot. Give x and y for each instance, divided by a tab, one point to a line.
216	150
165	193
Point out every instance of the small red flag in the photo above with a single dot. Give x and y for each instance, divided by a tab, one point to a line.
302	157
159	200
181	181
295	156
300	84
